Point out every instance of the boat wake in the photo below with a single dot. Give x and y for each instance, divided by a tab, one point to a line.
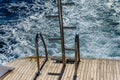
97	23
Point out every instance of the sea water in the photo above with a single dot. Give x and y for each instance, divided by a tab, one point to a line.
96	21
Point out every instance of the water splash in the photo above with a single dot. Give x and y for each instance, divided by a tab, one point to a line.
97	23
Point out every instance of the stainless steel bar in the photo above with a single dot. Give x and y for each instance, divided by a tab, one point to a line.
55	16
78	47
70	49
69	27
75	57
61	30
37	52
68	4
46	54
77	53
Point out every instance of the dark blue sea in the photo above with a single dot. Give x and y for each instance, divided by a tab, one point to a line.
97	22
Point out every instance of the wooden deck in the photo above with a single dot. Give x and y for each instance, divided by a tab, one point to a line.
88	69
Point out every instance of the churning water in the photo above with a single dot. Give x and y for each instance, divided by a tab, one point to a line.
97	22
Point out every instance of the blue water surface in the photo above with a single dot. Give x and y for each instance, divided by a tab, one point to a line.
97	22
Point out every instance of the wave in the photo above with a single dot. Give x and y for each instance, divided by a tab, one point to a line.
97	23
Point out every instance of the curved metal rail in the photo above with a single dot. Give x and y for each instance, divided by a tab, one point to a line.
77	53
37	52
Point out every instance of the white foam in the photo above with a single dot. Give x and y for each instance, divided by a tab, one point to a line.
84	15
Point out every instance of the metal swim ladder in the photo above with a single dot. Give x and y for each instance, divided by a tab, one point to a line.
62	28
61	38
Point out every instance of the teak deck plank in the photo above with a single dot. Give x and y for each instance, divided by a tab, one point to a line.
88	69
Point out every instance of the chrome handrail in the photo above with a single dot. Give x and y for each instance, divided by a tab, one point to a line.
37	51
77	52
61	31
